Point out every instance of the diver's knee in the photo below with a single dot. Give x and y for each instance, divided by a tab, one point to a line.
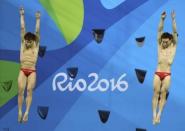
156	92
164	91
29	91
20	91
155	96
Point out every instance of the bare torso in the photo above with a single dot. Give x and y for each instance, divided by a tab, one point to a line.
28	57
166	57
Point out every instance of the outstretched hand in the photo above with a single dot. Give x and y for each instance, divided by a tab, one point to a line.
37	14
21	10
173	14
163	15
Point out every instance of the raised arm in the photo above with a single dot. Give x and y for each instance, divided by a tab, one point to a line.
161	26
174	27
23	30
37	28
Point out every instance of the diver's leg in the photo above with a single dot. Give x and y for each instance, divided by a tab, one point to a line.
30	86
164	90
21	86
157	85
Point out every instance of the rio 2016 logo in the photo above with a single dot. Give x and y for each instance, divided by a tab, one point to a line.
95	85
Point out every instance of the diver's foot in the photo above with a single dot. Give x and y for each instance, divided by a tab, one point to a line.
20	117
157	120
25	117
154	117
154	121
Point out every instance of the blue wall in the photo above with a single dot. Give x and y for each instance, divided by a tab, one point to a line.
117	54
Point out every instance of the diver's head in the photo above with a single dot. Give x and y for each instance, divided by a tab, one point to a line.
166	39
30	39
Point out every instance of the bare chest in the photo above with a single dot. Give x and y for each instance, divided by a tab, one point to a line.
166	55
28	53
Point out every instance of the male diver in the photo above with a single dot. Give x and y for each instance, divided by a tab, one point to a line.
28	58
167	44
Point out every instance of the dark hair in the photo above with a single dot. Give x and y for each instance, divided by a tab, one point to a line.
167	35
30	36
